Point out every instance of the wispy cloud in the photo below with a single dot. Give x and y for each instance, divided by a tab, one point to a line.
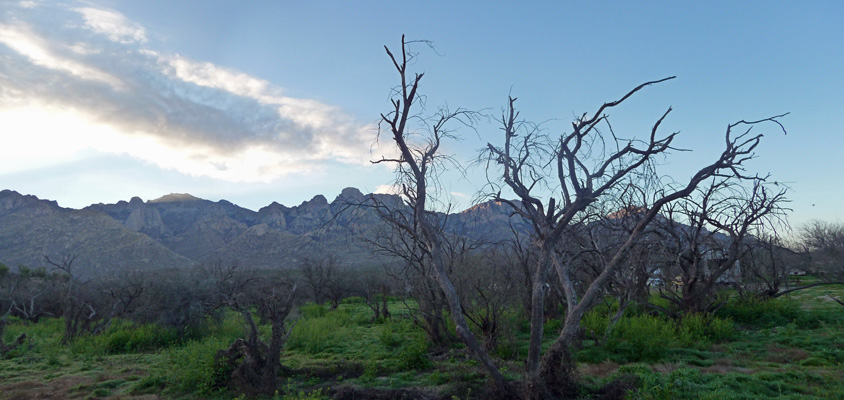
99	73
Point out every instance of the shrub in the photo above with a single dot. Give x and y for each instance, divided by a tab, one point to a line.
390	336
702	329
194	369
761	312
414	355
320	330
312	310
594	323
641	337
125	339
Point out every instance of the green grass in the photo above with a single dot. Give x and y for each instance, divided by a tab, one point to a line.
789	348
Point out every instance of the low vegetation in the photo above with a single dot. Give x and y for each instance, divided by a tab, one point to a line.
787	348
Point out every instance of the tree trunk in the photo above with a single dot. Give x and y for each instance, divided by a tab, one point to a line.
456	310
557	376
385	312
537	315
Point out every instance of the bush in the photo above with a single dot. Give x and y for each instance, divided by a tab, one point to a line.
761	312
125	338
390	336
320	330
312	310
414	355
703	329
194	368
641	338
594	323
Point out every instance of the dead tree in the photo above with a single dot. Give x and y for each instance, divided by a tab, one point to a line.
414	271
586	166
31	293
372	286
822	248
824	242
325	277
254	363
711	235
487	285
4	320
417	164
89	307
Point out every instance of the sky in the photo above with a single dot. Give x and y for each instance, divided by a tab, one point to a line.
263	101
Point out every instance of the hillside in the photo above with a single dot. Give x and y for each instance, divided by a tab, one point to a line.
180	230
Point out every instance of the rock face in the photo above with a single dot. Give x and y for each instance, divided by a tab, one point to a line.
180	230
274	215
12	202
33	229
144	219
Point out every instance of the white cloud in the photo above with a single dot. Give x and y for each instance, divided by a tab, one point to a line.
27	43
113	24
387	189
95	83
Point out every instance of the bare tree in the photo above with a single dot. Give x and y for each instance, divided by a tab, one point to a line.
824	241
488	287
5	348
417	165
769	265
254	363
325	277
374	288
584	167
710	235
414	271
89	307
30	293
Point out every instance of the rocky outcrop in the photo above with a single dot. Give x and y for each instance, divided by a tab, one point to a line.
274	215
179	230
11	201
144	218
309	216
37	228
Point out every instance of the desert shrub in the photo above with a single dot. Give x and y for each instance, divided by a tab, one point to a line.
641	337
683	383
194	368
320	330
353	300
703	329
413	355
301	395
594	323
391	335
761	312
553	327
312	310
127	338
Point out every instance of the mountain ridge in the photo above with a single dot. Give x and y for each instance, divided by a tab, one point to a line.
178	230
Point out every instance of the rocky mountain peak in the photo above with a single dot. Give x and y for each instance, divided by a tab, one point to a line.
11	200
136	202
349	194
317	202
175	197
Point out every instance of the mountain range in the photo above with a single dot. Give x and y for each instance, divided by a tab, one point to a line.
180	230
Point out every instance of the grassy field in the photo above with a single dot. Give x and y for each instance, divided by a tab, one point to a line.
788	348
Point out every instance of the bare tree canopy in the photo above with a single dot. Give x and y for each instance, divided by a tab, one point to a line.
583	170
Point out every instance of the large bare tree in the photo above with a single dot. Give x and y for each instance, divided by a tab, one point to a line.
707	234
417	140
558	182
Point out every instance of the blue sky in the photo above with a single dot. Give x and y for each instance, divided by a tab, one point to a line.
256	102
